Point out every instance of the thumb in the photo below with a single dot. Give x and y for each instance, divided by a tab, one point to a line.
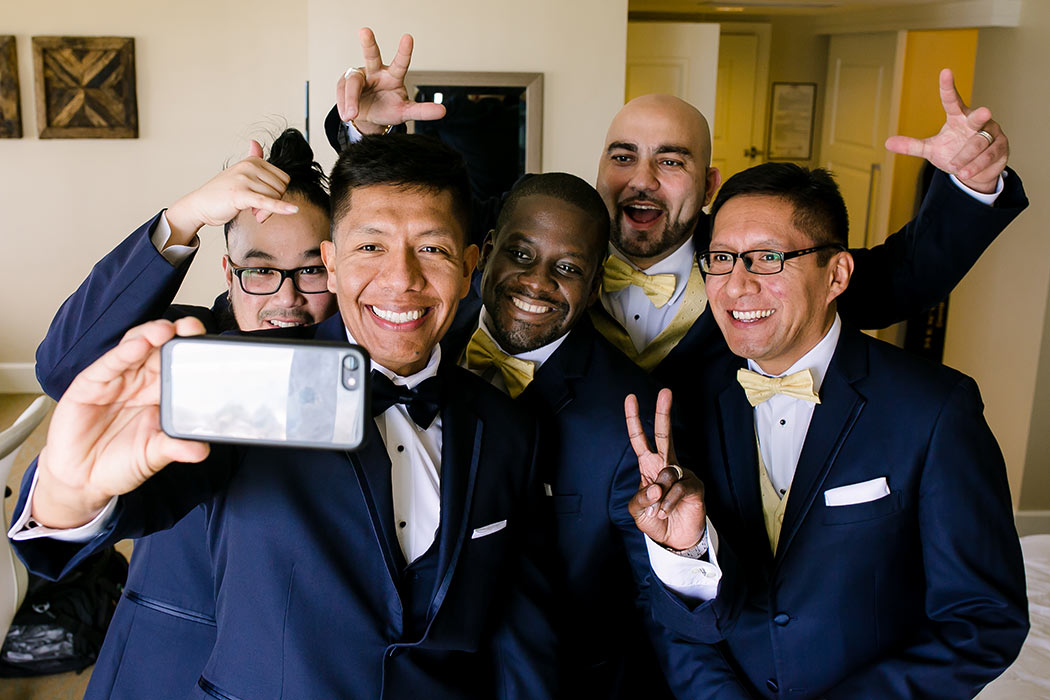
905	145
255	149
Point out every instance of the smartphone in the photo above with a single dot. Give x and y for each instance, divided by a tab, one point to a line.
280	392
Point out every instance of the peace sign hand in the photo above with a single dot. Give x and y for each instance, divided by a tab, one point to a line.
961	147
669	504
374	96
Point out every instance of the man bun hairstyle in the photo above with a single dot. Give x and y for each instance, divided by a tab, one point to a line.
567	188
292	153
820	211
409	162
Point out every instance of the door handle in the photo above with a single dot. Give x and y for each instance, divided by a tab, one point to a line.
752	152
872	185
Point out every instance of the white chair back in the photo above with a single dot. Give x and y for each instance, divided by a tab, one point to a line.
13	579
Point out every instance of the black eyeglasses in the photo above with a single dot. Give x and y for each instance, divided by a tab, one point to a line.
267	280
757	262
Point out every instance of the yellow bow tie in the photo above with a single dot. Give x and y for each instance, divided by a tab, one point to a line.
482	353
759	387
618	275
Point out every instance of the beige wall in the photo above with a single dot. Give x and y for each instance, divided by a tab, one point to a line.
579	46
998	323
208	75
212	74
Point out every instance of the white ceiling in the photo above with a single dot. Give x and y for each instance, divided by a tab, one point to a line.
767	7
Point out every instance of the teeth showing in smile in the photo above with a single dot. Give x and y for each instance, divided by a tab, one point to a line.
398	316
752	315
530	308
284	324
642	205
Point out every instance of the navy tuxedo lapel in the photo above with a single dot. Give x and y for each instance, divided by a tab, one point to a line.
552	387
740	452
839	407
462	430
331	328
372	466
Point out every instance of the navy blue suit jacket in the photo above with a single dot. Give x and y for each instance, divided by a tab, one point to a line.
165	612
306	592
920	593
602	570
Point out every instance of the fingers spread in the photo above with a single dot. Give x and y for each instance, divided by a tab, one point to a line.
950	99
662	425
348	95
905	145
370	50
399	66
635	431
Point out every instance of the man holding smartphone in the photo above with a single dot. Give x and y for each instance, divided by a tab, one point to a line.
412	566
169	599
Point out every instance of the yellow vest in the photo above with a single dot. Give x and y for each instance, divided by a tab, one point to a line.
773	506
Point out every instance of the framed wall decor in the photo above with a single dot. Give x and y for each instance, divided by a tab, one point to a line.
10	101
791	121
85	87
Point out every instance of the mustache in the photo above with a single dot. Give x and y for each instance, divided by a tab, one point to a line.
641	198
296	315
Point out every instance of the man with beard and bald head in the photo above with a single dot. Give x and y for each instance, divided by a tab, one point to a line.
655	178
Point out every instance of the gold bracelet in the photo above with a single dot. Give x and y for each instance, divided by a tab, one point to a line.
386	129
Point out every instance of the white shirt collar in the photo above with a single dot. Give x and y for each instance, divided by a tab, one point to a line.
679	263
412	380
816	360
539	355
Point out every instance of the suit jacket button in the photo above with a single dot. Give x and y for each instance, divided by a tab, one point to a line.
772	685
782	619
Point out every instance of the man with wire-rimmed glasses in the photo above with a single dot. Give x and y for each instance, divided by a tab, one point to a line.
865	530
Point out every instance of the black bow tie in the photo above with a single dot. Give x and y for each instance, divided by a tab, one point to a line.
422	403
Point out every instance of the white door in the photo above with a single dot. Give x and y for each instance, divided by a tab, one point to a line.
733	145
857	122
677	58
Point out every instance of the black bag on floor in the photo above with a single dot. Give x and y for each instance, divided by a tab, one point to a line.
61	624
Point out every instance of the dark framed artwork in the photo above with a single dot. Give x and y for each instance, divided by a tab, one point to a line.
10	102
85	87
791	121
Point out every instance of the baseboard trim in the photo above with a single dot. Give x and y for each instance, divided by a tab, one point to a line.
18	378
1032	522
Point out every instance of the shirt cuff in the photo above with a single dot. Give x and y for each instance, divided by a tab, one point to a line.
176	254
694	581
23	528
352	134
981	197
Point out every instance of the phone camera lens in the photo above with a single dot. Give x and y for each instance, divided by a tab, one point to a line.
350	362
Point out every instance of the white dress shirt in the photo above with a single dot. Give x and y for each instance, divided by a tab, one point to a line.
782	421
635	311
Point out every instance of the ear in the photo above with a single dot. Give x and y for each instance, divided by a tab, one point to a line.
840	270
714	180
486	249
328	259
596	284
227	271
470	261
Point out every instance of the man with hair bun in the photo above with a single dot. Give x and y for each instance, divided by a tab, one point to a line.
168	607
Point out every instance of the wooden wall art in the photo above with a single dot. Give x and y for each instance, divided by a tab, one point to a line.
10	102
85	87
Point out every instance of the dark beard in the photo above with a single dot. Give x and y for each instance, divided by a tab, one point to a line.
673	234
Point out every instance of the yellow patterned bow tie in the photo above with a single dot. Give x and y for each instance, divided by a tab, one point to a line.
482	353
759	387
618	274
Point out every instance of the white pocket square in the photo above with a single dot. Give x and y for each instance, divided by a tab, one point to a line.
486	530
852	494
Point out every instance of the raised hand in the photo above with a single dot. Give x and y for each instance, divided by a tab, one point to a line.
374	96
249	184
105	438
669	505
961	147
